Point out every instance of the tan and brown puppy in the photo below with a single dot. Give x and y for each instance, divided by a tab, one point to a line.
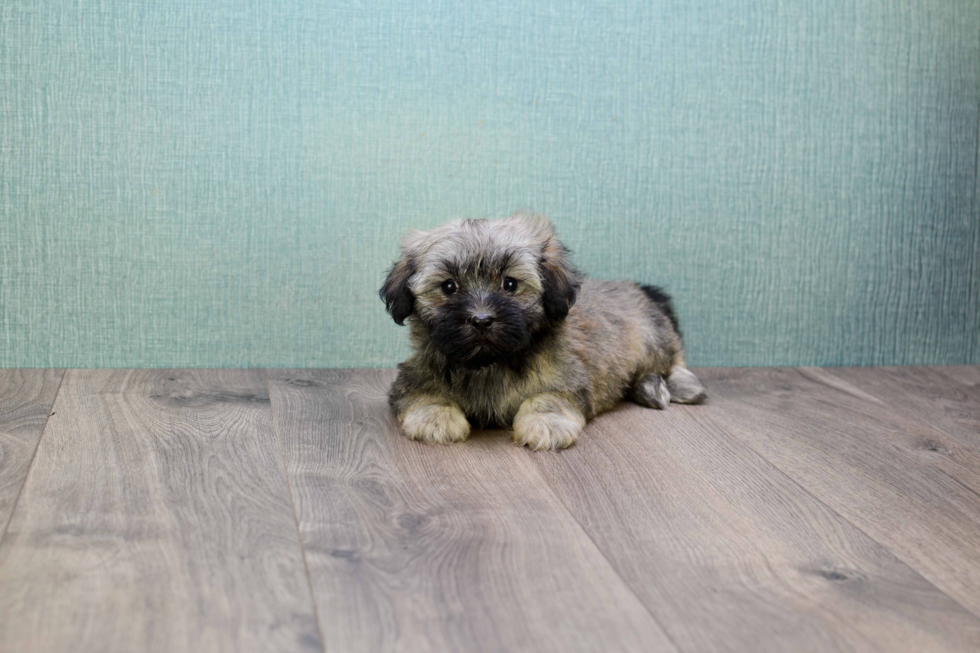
506	332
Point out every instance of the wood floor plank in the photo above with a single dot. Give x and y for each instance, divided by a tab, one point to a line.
926	395
731	555
967	375
905	420
415	547
894	479
156	517
26	397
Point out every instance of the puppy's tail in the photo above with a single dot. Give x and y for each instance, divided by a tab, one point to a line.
662	300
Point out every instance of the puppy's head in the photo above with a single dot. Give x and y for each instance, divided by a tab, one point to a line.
482	290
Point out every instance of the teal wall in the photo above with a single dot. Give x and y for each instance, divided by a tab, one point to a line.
207	182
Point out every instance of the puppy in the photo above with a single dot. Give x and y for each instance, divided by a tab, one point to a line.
506	332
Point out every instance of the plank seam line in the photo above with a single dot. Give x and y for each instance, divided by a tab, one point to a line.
612	567
823	503
891	405
292	501
13	508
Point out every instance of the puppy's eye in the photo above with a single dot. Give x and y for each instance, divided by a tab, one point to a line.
449	287
510	284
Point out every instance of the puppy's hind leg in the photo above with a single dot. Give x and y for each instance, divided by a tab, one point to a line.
685	388
651	391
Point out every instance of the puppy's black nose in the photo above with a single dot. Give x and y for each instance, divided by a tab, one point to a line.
481	321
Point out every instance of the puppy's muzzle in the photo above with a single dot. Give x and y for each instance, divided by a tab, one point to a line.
481	321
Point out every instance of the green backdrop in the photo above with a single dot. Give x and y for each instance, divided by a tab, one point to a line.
216	183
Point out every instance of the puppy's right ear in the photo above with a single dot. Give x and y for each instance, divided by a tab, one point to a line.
395	293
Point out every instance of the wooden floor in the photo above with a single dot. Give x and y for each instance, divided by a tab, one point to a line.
801	509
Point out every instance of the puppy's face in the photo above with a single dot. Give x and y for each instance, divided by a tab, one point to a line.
482	290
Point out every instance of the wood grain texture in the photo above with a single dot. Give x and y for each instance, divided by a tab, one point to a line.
911	488
967	375
415	547
26	397
731	555
156	517
931	396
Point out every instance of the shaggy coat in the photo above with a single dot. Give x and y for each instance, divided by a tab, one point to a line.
506	332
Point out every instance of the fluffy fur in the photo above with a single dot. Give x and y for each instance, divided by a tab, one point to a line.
506	332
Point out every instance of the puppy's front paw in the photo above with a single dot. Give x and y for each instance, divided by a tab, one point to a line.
442	423
546	422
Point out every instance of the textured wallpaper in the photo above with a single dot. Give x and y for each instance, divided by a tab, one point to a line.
217	183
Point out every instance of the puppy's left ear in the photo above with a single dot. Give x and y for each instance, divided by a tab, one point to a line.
559	280
395	293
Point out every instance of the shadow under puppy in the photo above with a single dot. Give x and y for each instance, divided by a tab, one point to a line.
506	332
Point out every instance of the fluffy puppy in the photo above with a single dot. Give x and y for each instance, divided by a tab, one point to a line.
506	332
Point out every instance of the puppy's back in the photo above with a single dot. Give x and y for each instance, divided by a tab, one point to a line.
620	333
